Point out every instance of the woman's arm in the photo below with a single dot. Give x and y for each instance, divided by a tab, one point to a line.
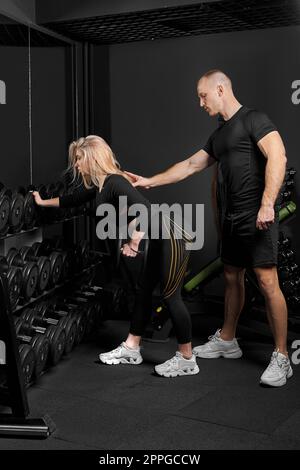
45	202
77	198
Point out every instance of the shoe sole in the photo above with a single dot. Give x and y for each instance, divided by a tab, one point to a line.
216	355
178	373
280	382
121	360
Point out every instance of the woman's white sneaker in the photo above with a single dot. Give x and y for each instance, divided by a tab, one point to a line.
122	355
278	370
218	347
177	365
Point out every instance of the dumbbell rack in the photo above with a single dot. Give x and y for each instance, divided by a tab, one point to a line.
13	390
14	396
50	292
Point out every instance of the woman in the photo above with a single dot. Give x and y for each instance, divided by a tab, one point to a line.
93	159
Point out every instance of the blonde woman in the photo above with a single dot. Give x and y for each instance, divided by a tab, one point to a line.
92	158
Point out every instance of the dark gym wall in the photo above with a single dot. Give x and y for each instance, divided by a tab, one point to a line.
155	116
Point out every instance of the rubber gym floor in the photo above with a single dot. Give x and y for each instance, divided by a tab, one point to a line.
95	406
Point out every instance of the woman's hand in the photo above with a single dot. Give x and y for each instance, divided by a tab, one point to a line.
38	200
130	249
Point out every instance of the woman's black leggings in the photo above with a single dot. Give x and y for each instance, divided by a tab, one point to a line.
166	265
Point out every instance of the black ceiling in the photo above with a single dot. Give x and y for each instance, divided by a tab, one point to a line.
205	18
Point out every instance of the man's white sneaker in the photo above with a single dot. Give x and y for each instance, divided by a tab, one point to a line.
278	371
177	365
122	355
218	347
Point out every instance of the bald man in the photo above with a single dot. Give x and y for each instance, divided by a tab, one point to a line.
252	161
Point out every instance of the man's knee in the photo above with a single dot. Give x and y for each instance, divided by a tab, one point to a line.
268	280
234	275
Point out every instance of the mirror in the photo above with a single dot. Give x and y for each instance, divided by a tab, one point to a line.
14	103
53	104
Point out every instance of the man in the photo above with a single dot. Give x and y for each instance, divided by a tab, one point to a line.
251	158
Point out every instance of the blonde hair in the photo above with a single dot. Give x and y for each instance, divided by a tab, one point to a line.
98	160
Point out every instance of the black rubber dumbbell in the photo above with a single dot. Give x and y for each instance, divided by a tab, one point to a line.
5	201
44	265
77	313
30	272
284	243
291	287
55	334
16	213
89	310
56	262
39	343
48	313
30	212
27	360
287	271
286	256
14	280
68	255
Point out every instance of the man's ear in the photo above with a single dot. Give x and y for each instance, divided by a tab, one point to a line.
220	90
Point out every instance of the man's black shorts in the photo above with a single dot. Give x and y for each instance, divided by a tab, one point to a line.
243	245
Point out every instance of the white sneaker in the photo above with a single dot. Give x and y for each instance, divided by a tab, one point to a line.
278	371
218	347
122	355
177	365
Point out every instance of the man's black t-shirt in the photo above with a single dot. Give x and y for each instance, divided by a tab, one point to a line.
241	163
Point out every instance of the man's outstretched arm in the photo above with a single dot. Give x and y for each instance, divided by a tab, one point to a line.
178	172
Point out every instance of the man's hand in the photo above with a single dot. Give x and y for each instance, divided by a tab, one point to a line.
265	217
138	181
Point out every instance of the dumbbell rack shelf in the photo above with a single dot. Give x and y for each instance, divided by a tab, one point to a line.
37	227
54	289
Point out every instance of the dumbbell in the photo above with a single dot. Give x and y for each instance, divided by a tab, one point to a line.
287	271
16	213
286	256
55	334
285	196
294	300
14	280
289	185
56	262
68	255
27	360
90	311
114	298
5	201
30	212
43	264
68	323
290	173
284	243
39	343
76	312
30	272
291	287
